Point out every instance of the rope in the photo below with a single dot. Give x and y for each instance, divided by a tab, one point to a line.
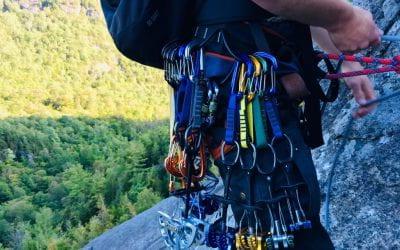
363	72
391	65
360	59
390	38
341	149
332	171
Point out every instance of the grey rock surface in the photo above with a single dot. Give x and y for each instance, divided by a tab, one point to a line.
141	232
365	201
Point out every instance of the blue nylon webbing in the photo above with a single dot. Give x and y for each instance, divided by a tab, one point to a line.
271	110
233	111
183	102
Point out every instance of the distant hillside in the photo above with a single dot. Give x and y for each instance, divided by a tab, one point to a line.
65	181
57	58
83	130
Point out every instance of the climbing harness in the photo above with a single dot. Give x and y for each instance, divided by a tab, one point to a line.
252	126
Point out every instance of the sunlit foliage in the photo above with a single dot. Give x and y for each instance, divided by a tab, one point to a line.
83	130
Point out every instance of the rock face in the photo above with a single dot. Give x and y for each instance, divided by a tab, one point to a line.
141	232
365	202
365	199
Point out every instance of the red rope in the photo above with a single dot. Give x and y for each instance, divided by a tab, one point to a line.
394	65
363	72
361	59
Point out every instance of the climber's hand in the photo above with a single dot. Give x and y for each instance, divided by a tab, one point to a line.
357	33
361	87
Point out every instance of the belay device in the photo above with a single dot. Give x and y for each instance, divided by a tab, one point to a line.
252	125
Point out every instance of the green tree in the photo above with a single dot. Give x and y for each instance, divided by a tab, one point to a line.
146	199
5	192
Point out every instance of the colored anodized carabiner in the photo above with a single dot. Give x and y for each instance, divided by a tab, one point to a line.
256	75
270	57
263	77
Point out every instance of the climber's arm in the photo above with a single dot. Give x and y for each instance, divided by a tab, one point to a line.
351	28
361	86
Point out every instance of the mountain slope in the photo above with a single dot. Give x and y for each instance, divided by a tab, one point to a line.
60	60
83	130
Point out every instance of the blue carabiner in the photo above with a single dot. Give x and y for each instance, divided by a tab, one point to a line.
234	79
173	54
249	65
270	57
232	111
181	51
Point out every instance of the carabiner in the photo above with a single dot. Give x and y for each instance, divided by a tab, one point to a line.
274	162
254	156
252	88
290	158
263	78
187	135
242	79
260	80
235	77
249	65
250	69
273	90
223	158
270	57
257	66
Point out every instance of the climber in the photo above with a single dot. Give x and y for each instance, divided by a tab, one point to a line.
337	26
281	28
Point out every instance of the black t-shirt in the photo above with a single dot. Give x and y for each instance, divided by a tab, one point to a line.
222	11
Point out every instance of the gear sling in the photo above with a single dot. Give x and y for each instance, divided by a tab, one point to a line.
250	118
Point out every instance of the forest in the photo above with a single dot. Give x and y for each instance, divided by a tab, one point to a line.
83	130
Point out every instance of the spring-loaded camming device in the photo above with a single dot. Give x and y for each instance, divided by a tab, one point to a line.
278	226
219	235
299	220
